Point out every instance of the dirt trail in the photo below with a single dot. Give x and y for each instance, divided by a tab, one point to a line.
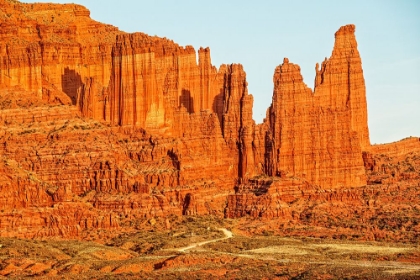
228	234
270	253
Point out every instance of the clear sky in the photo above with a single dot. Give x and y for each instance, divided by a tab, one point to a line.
258	34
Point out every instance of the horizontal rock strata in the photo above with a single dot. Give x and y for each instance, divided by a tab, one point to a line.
101	128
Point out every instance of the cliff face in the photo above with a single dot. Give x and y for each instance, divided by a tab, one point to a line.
340	83
116	126
123	79
53	44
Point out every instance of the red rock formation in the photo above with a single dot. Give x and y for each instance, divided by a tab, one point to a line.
59	44
319	136
397	149
393	162
340	83
100	128
51	157
387	210
266	197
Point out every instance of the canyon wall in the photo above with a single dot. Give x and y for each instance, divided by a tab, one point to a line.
112	127
149	82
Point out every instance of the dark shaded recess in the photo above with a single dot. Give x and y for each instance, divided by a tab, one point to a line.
176	163
187	101
71	81
187	201
161	265
217	106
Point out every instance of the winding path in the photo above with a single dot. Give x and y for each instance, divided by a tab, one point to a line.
228	234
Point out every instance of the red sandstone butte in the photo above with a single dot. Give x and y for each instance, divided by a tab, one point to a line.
320	135
100	128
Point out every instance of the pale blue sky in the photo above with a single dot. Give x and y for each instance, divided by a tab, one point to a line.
258	34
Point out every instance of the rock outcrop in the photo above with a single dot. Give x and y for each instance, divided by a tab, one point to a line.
100	128
386	209
393	162
320	135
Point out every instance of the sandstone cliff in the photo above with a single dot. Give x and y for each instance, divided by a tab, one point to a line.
114	127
